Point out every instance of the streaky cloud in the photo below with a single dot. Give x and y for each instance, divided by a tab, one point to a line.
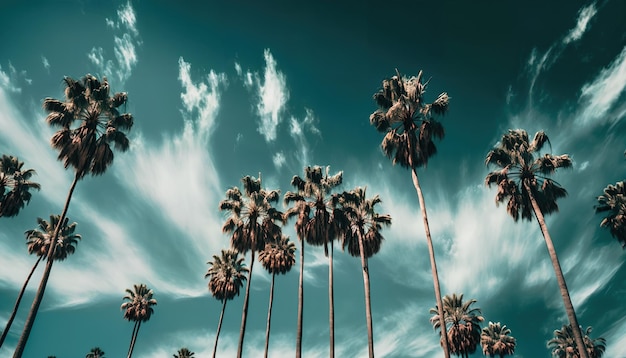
584	16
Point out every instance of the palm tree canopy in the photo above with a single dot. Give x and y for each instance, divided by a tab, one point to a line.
613	203
496	340
139	302
521	166
15	185
462	323
563	344
409	123
95	352
38	240
184	353
278	256
86	146
227	274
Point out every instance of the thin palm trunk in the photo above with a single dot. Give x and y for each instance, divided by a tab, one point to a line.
331	302
244	314
368	305
30	320
132	343
560	278
433	265
219	327
132	338
17	302
300	301
269	316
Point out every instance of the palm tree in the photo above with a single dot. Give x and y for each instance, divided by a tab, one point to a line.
95	352
138	308
38	243
410	126
277	257
314	191
523	183
362	237
563	345
614	203
462	324
227	274
252	223
496	340
184	353
85	147
14	185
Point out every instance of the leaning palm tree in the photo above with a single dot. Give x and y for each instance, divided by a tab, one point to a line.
253	221
462	324
15	185
95	352
89	123
496	340
226	276
184	353
613	203
411	127
523	183
138	308
563	344
363	239
277	257
38	243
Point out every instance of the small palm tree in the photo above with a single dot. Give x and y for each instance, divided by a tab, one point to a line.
363	238
563	345
496	340
38	243
15	186
277	257
184	353
613	203
462	324
138	308
226	276
95	352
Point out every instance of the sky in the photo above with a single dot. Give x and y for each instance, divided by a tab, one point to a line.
220	90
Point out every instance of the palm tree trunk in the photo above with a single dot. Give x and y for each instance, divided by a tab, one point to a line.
560	278
132	343
269	316
368	305
300	301
132	338
30	320
433	265
17	303
244	314
331	301
219	327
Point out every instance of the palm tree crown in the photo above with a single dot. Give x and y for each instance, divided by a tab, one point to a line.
278	256
139	302
496	340
462	324
563	345
14	186
95	352
227	275
184	353
613	203
38	240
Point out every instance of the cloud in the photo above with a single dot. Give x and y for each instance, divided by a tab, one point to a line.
8	80
298	130
584	15
45	63
238	69
279	160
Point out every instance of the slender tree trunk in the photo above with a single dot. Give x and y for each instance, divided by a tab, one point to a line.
269	316
331	301
30	320
300	301
17	302
368	305
560	278
244	314
132	344
132	338
219	327
433	266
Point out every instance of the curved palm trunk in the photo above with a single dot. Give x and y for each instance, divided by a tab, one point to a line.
244	314
132	343
30	320
368	305
219	327
269	316
560	278
17	302
331	302
300	302
132	338
433	265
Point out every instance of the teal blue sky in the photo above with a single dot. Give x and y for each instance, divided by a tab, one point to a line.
220	90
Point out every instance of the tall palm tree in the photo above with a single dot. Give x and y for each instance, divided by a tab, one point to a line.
95	352
323	227
252	222
277	257
563	344
89	123
15	185
462	324
138	308
411	127
363	239
184	353
496	340
38	243
613	203
524	184
226	276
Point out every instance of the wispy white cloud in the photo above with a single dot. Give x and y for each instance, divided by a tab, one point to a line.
45	63
298	130
584	15
238	69
9	79
279	160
